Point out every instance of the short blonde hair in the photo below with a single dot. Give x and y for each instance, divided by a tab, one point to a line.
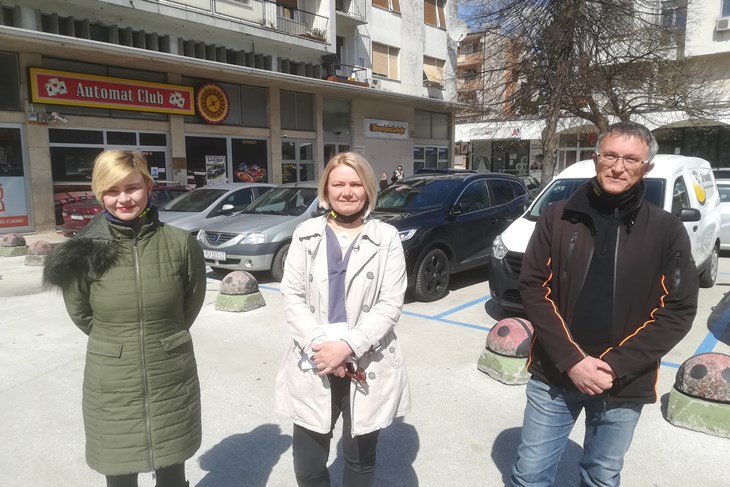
364	172
113	166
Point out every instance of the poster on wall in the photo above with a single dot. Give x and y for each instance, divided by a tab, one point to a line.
215	169
13	207
250	163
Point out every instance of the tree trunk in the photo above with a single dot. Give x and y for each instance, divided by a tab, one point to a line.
550	137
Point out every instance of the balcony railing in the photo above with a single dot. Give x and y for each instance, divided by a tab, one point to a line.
295	22
352	8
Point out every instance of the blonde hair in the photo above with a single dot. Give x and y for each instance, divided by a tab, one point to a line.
364	172
113	166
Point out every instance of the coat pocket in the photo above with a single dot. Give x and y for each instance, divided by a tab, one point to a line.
173	341
104	347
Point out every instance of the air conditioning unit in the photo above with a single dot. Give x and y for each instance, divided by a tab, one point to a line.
374	83
722	24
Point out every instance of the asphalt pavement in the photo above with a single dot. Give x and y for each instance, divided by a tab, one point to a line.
463	429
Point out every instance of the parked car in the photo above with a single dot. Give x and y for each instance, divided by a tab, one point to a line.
210	204
723	186
682	185
447	223
258	238
77	215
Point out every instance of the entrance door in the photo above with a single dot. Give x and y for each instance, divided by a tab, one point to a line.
297	158
14	207
330	149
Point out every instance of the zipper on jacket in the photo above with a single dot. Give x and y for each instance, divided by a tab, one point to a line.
571	246
615	271
677	272
140	312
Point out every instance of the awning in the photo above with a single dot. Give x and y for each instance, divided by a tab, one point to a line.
433	74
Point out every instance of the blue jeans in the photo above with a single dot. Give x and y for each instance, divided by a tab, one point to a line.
550	414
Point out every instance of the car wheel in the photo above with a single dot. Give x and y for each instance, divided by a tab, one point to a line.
220	271
432	277
277	267
709	275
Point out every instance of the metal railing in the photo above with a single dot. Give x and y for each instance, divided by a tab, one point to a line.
353	8
345	72
295	22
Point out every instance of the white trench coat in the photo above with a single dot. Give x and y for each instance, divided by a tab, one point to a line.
375	285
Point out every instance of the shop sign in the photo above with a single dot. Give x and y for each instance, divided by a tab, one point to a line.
215	169
13	209
87	90
386	129
212	103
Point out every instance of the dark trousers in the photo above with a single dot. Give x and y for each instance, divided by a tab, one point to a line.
311	450
172	476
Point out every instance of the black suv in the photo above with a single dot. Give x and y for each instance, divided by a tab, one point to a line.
447	223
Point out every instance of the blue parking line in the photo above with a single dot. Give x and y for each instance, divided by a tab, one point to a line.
463	306
449	322
269	288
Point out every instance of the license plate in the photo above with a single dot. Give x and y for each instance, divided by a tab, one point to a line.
214	254
77	217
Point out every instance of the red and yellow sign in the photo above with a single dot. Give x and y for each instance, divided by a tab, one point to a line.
212	102
88	90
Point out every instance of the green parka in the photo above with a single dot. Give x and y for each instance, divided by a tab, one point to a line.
135	292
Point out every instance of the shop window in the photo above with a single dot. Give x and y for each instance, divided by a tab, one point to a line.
159	140
297	111
255	101
433	13
392	5
69	136
385	60
9	82
250	160
336	115
121	138
431	125
297	161
430	157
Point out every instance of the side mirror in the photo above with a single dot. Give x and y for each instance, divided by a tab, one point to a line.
462	206
227	208
690	215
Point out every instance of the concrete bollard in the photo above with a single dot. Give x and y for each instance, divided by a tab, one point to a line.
239	292
505	356
700	398
12	245
37	252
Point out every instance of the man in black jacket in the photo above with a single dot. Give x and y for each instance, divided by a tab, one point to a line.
610	287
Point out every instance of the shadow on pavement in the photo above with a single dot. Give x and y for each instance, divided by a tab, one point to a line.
398	446
244	459
719	319
504	453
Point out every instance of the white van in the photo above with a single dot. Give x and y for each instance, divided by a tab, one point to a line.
684	186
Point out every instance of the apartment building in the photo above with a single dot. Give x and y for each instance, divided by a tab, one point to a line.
272	89
499	141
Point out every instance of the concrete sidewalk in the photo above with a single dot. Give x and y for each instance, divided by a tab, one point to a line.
463	430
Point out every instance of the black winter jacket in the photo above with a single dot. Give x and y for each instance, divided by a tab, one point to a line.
655	294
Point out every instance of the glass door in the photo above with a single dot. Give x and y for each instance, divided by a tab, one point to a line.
330	149
14	207
297	158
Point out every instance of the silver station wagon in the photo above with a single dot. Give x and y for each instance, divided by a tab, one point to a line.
258	238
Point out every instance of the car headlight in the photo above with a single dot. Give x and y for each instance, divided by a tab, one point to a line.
498	248
253	238
201	235
407	234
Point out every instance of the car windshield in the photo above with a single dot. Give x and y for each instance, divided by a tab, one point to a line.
417	195
196	200
290	201
561	189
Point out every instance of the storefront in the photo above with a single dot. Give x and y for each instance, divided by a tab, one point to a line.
14	188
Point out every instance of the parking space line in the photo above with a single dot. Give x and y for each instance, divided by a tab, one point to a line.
448	322
463	306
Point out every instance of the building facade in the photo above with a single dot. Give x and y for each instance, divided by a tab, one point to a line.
269	90
513	144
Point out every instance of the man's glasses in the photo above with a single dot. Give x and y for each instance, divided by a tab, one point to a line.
356	375
611	158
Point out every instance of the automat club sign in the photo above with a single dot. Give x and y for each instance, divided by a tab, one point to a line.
386	129
77	89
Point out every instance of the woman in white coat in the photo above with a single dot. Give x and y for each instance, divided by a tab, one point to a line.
343	287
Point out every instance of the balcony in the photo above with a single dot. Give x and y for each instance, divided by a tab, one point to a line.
351	12
335	71
469	59
259	13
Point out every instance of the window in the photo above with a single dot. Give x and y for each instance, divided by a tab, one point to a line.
726	8
431	125
474	197
674	13
433	72
680	198
467	48
385	60
469	74
501	191
392	5
9	82
297	111
430	156
433	13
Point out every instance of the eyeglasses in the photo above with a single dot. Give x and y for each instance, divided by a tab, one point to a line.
356	375
629	161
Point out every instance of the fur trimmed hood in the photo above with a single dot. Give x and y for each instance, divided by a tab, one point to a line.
78	259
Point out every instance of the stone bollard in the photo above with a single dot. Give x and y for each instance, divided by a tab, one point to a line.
505	356
12	245
239	292
37	252
700	398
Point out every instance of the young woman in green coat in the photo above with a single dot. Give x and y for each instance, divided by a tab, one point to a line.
134	286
